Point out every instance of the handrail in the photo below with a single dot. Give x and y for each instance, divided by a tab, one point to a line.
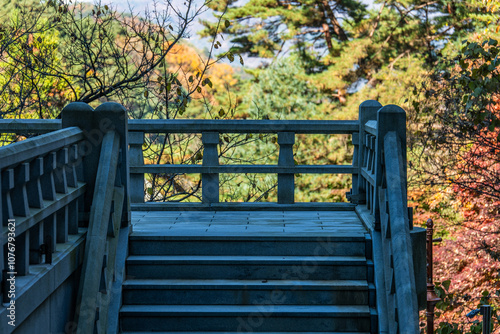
401	289
21	126
243	126
107	203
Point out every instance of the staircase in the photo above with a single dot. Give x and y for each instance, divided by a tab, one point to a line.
248	282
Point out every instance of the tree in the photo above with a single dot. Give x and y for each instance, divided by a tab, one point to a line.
345	45
96	53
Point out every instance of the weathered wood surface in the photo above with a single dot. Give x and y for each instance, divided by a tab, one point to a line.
397	231
21	126
95	246
247	223
12	155
242	126
242	206
263	169
195	126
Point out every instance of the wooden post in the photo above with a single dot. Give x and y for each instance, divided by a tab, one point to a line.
367	112
389	118
432	298
107	117
210	182
286	182
136	140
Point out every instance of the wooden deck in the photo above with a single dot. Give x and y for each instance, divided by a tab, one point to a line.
233	223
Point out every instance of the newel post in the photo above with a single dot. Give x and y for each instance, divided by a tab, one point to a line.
367	112
286	182
390	118
95	124
210	181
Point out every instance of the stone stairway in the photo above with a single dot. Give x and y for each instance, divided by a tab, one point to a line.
248	282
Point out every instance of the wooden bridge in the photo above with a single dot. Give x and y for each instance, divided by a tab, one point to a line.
83	253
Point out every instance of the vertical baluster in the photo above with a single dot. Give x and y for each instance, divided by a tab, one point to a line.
354	193
210	181
22	253
34	187
61	183
7	186
73	217
47	179
19	195
36	241
70	169
62	225
286	182
49	231
136	140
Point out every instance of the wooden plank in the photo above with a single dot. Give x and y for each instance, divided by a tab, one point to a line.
195	126
242	206
259	169
242	126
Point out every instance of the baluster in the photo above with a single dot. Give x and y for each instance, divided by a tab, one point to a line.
286	182
62	225
61	183
353	195
70	169
34	187
22	253
47	179
136	140
36	241
73	217
19	195
210	181
7	186
49	232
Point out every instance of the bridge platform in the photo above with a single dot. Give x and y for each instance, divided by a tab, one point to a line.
247	223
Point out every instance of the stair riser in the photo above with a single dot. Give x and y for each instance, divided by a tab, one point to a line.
308	271
244	296
254	322
322	247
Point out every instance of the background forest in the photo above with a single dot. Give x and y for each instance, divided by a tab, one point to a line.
439	60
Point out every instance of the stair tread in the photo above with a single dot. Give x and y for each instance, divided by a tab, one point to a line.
228	310
310	237
246	258
229	284
240	332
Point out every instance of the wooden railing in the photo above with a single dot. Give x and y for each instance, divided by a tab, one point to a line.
40	198
378	191
210	168
62	191
382	198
